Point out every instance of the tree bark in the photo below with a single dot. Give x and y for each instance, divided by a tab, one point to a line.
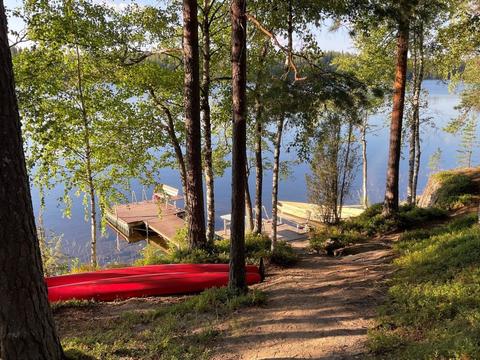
27	330
418	92
258	167
169	127
258	145
412	138
276	170
196	217
390	204
345	169
207	127
93	221
248	204
237	281
88	163
364	162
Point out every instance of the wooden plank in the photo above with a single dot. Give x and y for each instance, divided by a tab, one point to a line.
166	226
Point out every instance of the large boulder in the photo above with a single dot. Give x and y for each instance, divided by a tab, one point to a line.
446	187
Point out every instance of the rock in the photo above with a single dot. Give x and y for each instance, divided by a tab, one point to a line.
331	245
360	248
430	195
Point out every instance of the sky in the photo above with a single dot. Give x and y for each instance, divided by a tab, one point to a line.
338	40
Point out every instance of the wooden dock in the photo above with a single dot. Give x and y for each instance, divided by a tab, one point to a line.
285	232
150	220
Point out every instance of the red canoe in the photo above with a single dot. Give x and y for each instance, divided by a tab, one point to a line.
109	289
141	270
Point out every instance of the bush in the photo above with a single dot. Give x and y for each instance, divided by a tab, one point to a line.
283	254
462	222
456	190
372	221
152	255
53	260
256	246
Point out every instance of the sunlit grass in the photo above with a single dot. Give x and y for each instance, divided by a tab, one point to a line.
184	330
433	306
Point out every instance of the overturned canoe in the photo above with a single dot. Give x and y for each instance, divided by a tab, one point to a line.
124	287
140	270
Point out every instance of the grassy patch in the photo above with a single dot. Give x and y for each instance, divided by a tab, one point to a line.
456	190
372	221
183	330
433	306
256	247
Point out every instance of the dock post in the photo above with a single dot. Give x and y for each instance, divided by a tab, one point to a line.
146	225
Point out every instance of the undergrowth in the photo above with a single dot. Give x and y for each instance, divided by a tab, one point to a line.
256	247
433	305
372	222
456	190
185	330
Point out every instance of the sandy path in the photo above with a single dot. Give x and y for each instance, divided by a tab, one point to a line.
320	309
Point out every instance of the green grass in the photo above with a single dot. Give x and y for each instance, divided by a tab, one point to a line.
256	247
184	330
433	305
372	221
456	190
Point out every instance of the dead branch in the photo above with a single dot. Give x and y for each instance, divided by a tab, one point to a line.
290	55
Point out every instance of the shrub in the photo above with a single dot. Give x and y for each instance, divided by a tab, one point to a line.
81	268
283	254
462	222
372	221
409	217
53	260
150	255
456	189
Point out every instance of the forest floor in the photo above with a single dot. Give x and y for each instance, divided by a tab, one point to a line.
320	309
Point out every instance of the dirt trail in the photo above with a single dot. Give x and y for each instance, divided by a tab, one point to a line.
320	309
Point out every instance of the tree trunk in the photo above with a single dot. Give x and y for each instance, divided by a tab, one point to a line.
345	169
412	124
172	135
418	93
93	220
258	168
276	170
258	146
88	163
237	281
27	330
248	205
207	128
364	162
390	205
196	216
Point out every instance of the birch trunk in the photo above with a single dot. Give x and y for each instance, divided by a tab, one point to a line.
276	169
207	127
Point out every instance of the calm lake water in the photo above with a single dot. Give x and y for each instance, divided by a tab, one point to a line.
75	231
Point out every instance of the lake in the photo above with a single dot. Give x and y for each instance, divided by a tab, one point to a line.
441	109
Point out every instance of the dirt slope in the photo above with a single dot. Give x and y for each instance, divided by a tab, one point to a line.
320	309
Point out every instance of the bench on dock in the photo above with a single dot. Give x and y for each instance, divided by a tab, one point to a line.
168	194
